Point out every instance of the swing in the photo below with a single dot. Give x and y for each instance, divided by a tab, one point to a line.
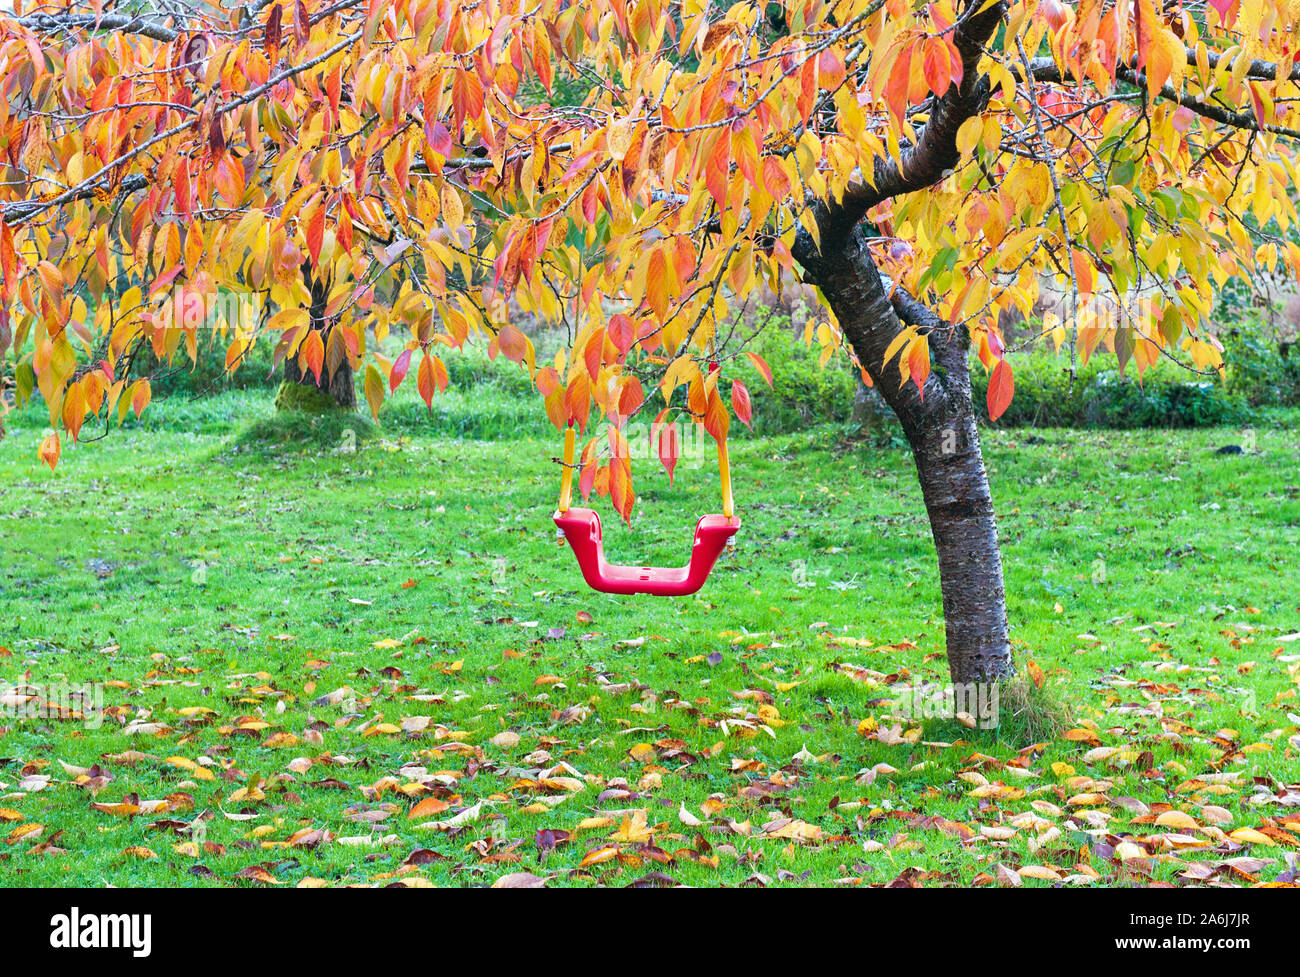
581	527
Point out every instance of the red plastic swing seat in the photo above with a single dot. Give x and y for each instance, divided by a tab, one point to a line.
581	527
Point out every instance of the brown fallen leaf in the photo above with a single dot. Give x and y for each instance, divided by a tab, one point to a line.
519	880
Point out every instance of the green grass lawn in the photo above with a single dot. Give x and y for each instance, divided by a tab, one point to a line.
321	667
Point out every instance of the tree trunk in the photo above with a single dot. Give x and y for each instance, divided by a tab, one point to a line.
950	467
299	389
940	427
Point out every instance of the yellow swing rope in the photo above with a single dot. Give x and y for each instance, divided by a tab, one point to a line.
724	463
566	480
724	471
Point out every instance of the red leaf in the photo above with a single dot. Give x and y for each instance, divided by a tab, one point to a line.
631	397
622	332
900	76
398	373
740	403
438	136
1222	7
587	478
664	434
1001	389
271	34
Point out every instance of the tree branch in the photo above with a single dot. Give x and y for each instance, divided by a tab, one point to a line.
935	152
18	211
1046	70
120	23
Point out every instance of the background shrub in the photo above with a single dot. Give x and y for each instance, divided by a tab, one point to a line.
803	392
1102	397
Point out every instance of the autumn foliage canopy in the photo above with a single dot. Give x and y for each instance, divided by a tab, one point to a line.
629	172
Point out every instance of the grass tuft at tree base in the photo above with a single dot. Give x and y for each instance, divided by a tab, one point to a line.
333	430
1013	713
1028	713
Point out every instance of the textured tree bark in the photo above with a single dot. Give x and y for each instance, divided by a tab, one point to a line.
955	485
940	427
940	421
299	389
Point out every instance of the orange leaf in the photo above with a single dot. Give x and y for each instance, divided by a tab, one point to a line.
716	419
141	394
316	233
49	452
428	807
1145	27
938	70
596	857
761	366
622	333
630	397
918	363
1035	673
593	353
656	285
620	476
312	353
513	343
1082	271
577	401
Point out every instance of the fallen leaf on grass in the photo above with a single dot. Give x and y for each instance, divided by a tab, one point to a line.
519	880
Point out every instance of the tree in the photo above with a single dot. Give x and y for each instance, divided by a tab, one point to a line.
421	169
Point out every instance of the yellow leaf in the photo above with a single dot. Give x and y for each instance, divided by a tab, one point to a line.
24	831
970	135
1039	872
1177	819
633	828
618	139
1249	836
452	210
599	855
